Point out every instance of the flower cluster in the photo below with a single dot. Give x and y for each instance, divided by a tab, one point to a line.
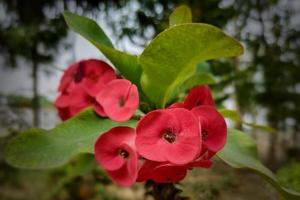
94	83
166	143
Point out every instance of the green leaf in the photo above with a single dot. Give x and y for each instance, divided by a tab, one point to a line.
234	116
240	152
127	64
181	15
173	55
230	114
260	126
201	76
203	67
197	79
39	149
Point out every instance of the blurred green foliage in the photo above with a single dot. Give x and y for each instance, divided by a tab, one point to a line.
289	175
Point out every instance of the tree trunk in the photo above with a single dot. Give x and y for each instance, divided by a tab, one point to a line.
35	99
272	151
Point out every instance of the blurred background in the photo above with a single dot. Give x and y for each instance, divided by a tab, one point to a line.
263	85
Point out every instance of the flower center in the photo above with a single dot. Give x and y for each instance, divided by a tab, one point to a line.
169	136
91	100
204	133
93	77
124	154
121	102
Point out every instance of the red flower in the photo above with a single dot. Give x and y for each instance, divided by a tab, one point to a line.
213	128
96	74
161	172
68	77
71	103
79	85
119	99
92	74
115	152
62	103
197	96
80	99
169	135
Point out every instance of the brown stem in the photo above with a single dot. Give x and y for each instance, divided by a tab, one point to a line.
164	191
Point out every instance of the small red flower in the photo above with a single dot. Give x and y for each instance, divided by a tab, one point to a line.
96	74
80	99
80	83
71	103
119	99
62	103
169	135
92	74
115	152
197	96
68	77
161	172
213	128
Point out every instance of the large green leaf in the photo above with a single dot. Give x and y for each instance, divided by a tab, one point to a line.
181	15
240	152
38	148
172	57
127	64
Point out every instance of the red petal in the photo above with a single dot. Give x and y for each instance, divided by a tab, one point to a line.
199	95
177	105
214	124
150	129
127	174
108	145
200	163
116	92
67	77
169	173
62	100
96	74
64	113
161	172
99	109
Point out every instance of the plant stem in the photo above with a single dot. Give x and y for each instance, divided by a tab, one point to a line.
164	191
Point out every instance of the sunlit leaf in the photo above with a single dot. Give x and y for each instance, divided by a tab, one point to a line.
230	114
173	55
181	15
38	148
195	80
240	152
